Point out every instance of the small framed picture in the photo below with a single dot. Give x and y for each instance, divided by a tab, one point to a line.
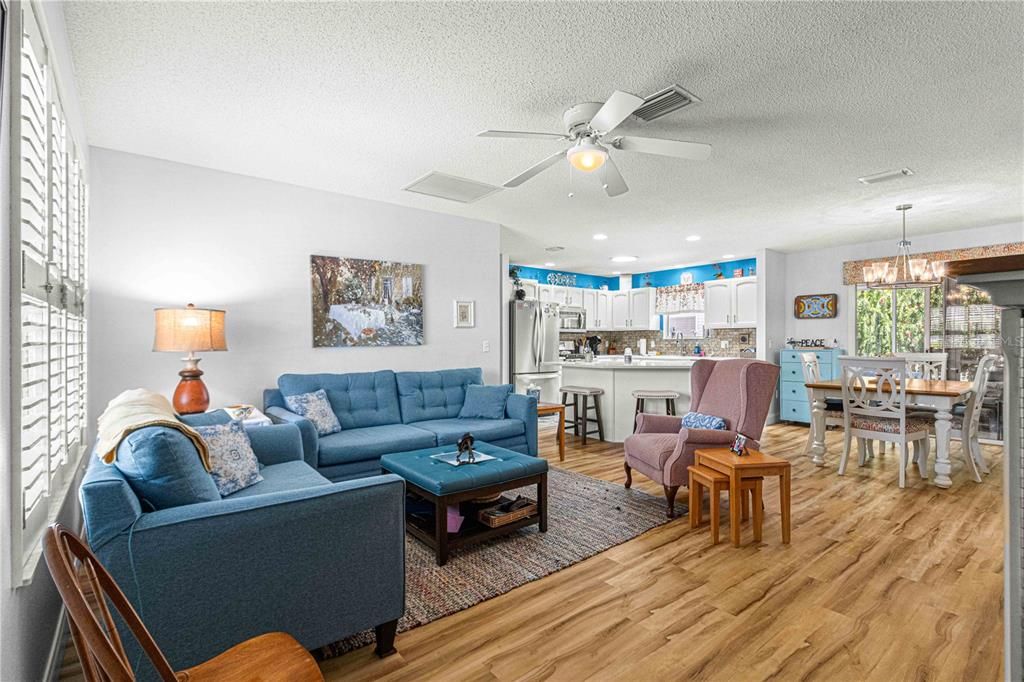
465	314
739	446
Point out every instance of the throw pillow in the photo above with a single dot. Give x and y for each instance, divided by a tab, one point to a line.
316	408
485	402
163	467
233	464
696	420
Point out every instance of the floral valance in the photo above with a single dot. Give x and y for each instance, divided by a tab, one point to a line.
853	270
679	297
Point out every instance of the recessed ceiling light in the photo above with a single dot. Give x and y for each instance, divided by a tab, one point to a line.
693	238
555	249
616	272
548	265
728	255
624	259
600	237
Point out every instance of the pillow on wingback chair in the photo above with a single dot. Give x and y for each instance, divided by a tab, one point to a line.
163	467
696	420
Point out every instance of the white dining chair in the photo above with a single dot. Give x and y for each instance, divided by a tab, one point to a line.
930	365
875	408
833	409
969	444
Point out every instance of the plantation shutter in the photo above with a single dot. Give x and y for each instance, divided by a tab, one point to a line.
50	226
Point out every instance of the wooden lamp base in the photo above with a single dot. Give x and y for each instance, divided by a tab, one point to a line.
191	396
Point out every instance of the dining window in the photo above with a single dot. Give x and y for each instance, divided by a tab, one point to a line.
892	321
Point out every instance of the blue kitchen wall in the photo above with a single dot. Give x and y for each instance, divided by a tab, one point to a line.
701	273
583	281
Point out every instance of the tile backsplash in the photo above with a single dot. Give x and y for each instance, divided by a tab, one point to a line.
738	340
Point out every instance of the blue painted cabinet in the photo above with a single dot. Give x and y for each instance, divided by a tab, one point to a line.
793	405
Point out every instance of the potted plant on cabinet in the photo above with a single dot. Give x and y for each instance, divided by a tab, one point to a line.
517	284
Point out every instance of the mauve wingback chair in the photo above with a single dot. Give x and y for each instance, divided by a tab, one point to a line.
738	391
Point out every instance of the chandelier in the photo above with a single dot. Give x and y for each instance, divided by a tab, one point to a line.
904	272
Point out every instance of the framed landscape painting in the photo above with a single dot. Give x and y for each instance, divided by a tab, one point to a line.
816	306
358	302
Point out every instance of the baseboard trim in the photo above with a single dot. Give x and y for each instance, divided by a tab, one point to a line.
55	659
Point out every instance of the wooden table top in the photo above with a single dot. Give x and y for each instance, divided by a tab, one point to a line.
753	458
543	408
946	389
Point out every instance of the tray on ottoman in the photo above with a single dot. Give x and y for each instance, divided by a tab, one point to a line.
445	485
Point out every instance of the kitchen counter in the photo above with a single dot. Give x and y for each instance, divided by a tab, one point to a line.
619	380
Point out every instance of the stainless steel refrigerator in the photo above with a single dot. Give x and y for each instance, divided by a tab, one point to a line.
533	347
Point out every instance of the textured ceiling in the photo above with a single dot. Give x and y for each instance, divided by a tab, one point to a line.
799	100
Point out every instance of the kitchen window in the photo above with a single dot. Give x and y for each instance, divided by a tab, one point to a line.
49	209
688	325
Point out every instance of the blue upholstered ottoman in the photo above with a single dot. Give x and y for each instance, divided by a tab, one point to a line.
445	485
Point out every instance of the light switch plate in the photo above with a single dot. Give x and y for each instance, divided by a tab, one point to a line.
487	346
725	344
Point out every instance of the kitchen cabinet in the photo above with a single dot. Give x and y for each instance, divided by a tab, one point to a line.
589	297
530	287
641	309
545	293
603	311
730	303
574	296
620	310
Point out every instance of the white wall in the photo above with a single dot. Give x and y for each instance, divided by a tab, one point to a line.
821	272
166	234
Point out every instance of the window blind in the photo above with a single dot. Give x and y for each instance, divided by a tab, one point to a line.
50	219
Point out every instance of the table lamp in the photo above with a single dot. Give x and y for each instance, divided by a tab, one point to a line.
189	329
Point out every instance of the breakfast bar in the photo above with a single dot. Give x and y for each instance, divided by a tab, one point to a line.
619	379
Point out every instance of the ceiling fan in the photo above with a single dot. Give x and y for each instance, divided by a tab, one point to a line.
590	126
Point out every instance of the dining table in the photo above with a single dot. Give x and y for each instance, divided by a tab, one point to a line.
940	395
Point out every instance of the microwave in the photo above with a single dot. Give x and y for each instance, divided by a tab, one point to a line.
572	317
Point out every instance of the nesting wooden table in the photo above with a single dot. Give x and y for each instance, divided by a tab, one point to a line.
752	465
544	409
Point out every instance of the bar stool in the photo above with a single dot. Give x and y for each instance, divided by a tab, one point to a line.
582	419
642	395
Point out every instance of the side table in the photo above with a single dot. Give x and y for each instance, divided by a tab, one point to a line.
753	464
544	409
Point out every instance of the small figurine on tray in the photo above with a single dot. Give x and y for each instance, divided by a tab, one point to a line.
739	446
465	446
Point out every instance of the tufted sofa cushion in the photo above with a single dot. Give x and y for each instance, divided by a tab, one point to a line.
359	399
435	395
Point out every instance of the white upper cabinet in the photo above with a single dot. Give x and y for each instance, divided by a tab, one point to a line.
530	287
574	296
589	297
603	311
641	309
730	303
545	293
559	294
620	310
745	310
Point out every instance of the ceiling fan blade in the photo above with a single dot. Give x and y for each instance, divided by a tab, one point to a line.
521	134
695	151
618	107
614	185
535	169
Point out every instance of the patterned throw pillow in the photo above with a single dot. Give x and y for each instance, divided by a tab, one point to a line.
233	464
696	420
316	408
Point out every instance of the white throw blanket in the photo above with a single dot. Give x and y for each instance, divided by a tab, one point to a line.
136	409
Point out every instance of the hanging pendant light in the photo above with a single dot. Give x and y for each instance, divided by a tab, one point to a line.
904	272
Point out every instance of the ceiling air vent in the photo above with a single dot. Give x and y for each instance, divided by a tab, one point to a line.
664	102
451	187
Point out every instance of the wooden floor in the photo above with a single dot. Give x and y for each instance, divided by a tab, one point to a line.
878	584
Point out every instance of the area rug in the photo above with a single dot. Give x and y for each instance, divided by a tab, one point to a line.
585	517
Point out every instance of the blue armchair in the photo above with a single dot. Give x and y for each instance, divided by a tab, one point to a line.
294	553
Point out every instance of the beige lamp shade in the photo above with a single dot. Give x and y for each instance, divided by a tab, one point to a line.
189	329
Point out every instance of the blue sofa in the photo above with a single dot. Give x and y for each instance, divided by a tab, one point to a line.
295	553
385	411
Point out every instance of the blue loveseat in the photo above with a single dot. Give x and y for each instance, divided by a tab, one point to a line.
385	411
295	552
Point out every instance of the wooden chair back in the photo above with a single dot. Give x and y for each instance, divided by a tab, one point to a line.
86	588
874	387
930	365
812	373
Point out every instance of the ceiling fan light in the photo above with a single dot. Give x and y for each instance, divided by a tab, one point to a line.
587	156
